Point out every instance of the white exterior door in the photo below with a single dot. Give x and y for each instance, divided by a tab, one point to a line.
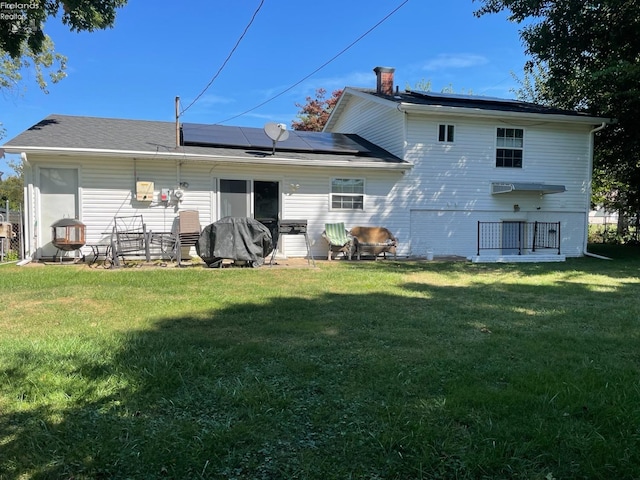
513	238
58	199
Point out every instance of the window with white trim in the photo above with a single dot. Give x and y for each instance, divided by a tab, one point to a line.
509	147
445	133
347	194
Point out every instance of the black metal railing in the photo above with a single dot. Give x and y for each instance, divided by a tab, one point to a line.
516	238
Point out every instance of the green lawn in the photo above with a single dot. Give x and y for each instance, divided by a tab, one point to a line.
352	370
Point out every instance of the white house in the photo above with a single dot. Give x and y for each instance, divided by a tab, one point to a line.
429	167
477	159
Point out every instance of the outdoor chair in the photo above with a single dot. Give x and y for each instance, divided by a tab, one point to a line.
339	239
188	231
129	238
185	232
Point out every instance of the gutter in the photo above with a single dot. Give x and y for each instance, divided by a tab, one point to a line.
590	174
266	160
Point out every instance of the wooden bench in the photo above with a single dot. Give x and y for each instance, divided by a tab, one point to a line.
373	241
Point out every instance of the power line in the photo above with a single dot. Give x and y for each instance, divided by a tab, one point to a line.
226	60
321	66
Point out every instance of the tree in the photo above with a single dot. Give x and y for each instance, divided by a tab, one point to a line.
23	44
314	114
11	185
47	64
586	54
26	20
533	86
11	189
421	86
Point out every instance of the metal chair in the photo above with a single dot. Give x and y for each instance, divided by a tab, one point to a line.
129	238
188	231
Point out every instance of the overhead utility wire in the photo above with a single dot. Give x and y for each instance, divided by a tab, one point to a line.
226	60
321	66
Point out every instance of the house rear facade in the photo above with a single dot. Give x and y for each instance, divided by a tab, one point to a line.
477	159
429	167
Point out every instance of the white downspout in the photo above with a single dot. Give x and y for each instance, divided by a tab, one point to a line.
589	189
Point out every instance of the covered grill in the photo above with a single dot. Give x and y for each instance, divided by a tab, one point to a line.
68	234
246	241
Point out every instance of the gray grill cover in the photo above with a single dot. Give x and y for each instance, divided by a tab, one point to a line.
235	238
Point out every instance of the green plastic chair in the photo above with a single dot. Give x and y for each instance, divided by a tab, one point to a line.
338	238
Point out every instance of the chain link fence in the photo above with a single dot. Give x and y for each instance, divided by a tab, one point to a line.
11	235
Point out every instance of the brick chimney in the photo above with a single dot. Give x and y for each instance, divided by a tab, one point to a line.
384	83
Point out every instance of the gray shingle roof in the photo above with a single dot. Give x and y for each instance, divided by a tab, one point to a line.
81	133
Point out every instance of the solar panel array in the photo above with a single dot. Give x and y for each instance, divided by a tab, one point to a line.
459	96
195	134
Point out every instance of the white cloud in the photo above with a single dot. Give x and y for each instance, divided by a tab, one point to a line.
207	100
449	61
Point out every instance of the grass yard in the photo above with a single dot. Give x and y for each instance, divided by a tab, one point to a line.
352	370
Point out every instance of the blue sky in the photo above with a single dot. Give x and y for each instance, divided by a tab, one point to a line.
163	49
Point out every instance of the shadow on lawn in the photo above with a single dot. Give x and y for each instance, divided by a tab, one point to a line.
429	385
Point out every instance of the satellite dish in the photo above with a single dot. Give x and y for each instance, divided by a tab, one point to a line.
277	132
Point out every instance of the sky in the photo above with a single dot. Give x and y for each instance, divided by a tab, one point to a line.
159	50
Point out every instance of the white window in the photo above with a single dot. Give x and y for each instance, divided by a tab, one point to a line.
445	133
347	194
509	147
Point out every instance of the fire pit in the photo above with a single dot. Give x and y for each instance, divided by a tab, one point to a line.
68	234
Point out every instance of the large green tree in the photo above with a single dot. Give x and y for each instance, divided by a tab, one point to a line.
24	45
25	20
586	55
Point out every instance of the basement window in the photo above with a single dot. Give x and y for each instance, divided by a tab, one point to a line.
445	133
347	194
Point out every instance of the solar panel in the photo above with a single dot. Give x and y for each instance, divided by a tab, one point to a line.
213	135
248	137
460	96
256	137
259	140
332	142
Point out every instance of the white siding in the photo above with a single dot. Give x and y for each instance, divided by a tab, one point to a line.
435	205
455	232
449	188
380	123
108	189
438	203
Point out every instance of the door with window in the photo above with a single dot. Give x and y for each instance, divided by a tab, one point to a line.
266	205
58	199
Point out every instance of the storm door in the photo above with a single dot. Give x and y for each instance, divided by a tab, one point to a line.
266	205
58	200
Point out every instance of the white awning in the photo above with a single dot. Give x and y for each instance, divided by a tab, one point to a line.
541	188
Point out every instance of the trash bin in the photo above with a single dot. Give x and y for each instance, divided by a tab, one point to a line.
429	254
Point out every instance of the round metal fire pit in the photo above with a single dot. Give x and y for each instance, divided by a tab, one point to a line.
68	234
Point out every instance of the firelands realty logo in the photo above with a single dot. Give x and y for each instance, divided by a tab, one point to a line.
16	14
